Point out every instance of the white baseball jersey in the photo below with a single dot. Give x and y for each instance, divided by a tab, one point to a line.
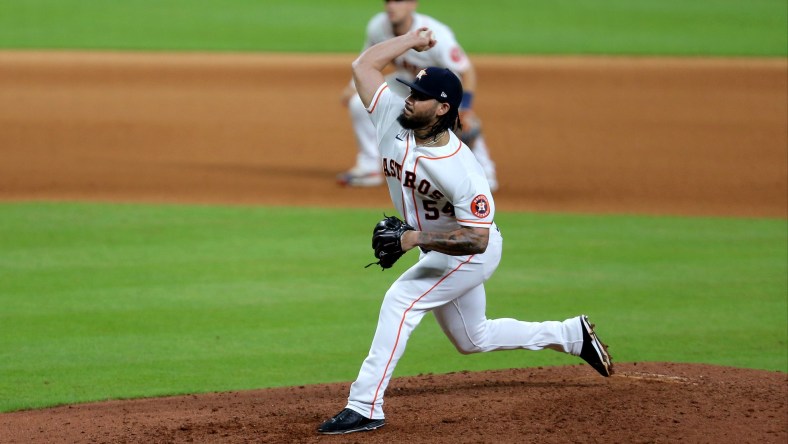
447	53
433	188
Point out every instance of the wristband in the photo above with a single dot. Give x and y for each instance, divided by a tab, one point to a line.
467	100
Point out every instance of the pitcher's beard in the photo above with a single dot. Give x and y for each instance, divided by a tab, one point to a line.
413	122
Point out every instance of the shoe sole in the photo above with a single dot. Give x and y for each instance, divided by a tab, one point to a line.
599	346
365	428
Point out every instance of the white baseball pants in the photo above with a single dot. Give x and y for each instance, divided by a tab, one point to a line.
452	287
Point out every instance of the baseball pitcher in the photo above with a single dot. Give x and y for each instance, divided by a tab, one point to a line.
441	192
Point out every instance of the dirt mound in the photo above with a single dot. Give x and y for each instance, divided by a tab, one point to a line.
647	402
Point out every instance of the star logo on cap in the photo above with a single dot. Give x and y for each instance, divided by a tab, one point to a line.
421	73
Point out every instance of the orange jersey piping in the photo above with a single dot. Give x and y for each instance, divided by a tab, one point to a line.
377	98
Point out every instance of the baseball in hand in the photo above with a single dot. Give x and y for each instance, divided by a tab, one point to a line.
426	33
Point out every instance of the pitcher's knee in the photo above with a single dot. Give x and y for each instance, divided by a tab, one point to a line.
469	351
468	341
467	348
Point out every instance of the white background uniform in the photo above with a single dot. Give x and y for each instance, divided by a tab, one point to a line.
447	53
441	189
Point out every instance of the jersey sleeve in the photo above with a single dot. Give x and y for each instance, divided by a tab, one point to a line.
384	109
473	203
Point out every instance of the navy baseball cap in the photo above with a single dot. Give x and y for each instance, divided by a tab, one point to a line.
438	83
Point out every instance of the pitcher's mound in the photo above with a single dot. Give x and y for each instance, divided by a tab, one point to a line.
647	402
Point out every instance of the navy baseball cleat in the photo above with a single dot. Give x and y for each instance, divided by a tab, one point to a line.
594	352
348	421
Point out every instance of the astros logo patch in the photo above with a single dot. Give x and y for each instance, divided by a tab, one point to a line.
480	207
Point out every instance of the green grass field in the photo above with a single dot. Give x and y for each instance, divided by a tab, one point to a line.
679	27
115	301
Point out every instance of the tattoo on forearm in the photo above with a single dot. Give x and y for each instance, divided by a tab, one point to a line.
456	243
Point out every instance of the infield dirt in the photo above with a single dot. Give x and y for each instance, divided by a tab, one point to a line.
657	136
587	135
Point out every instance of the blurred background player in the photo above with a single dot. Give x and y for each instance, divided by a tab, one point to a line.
399	18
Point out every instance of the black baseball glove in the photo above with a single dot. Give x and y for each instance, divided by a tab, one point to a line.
386	239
